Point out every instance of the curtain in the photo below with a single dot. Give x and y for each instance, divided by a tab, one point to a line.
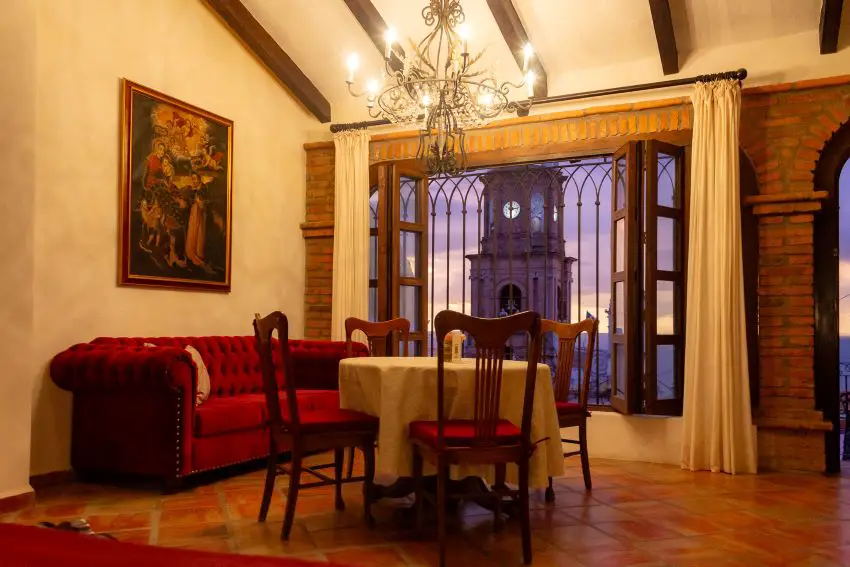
351	230
718	433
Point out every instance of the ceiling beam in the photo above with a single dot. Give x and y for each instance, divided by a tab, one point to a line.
662	21
375	27
243	24
830	25
516	37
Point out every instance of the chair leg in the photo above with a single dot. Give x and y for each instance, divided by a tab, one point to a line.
419	490
585	461
292	495
442	479
524	517
368	482
498	486
550	492
351	462
268	489
339	458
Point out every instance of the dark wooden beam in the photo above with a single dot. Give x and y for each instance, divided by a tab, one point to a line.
243	24
662	21
516	37
375	27
830	25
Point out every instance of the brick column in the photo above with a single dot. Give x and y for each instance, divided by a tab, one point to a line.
319	241
783	130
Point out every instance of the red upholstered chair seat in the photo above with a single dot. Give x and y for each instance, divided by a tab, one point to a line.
461	432
228	414
329	420
569	408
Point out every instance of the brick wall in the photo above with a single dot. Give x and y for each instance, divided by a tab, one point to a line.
783	130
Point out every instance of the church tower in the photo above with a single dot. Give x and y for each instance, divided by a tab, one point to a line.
521	264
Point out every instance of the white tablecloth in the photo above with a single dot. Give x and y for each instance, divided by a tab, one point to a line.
399	390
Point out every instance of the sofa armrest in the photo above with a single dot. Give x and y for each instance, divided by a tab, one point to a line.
133	408
100	367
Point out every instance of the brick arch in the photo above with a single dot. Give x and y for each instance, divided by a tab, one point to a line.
836	152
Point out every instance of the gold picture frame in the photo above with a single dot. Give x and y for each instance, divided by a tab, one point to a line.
176	193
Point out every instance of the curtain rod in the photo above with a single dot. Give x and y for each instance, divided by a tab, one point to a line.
739	75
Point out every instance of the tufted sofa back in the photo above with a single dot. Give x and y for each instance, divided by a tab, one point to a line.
234	365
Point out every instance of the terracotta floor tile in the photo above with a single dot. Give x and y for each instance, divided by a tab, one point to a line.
597	514
254	537
627	558
190	516
346	537
181	501
142	536
175	535
581	538
114	522
367	557
636	530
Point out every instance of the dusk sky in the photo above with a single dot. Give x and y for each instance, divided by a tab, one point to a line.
844	252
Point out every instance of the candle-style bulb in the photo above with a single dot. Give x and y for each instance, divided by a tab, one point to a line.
527	52
529	82
390	37
463	33
353	63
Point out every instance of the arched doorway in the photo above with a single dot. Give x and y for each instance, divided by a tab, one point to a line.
826	282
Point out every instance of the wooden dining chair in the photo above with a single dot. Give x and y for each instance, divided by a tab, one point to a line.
572	413
378	335
484	439
307	432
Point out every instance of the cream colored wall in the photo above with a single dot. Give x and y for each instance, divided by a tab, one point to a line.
178	47
653	439
17	162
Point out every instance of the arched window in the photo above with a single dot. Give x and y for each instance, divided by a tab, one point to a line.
510	300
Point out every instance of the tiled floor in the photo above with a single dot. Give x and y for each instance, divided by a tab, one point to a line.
637	514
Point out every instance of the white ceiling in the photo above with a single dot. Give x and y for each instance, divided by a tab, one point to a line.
583	44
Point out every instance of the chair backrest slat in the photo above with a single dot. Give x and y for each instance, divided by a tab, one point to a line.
264	328
377	334
568	335
490	337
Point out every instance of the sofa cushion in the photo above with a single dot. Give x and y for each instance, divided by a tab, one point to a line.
226	415
237	413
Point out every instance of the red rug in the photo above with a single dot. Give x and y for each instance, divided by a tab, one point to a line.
26	546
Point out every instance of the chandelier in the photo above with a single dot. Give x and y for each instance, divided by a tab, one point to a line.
438	89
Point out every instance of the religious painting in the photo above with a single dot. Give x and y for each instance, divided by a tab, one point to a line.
176	193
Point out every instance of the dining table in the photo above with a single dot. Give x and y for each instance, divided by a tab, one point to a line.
399	390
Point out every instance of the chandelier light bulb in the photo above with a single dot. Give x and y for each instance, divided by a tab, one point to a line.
529	81
426	100
353	63
485	99
372	88
390	37
527	52
463	33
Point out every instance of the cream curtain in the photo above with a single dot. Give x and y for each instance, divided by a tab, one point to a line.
718	433
351	230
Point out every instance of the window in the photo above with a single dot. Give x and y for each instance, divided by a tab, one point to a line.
649	215
398	253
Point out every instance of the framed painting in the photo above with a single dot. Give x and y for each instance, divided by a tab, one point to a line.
176	193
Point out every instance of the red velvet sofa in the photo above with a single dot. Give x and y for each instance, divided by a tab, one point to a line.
134	410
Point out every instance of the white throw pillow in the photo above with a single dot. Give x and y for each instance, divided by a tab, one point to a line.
203	376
